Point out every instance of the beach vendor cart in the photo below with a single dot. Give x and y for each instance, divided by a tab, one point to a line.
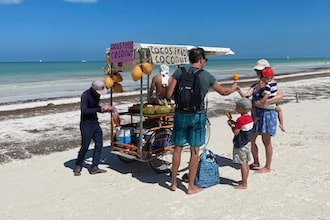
146	134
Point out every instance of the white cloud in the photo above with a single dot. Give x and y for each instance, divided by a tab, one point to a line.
81	1
9	2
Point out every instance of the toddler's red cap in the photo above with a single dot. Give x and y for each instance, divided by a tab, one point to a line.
267	72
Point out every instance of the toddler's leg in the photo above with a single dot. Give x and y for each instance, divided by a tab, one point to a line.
280	117
245	173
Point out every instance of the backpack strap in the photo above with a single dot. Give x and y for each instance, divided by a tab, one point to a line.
183	70
198	72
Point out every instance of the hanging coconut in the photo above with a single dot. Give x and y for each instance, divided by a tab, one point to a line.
108	82
117	77
137	72
117	87
147	68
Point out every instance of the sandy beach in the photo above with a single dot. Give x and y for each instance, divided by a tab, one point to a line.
39	147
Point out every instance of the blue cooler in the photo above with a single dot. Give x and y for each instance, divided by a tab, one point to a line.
123	135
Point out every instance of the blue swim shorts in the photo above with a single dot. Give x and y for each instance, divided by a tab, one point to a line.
189	128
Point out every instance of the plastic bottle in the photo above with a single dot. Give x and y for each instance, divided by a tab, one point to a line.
154	97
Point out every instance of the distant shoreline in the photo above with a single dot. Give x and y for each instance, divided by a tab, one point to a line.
243	81
57	105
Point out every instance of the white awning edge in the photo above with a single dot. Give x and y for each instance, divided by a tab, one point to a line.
210	51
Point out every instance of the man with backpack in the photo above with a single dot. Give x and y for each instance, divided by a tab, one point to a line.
189	87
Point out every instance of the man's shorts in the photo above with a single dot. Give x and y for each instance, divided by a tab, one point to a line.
242	154
189	128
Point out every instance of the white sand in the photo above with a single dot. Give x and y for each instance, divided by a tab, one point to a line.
298	187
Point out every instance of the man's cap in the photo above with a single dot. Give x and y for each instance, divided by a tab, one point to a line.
99	87
262	64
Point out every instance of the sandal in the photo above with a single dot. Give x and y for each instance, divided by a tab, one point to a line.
185	178
98	170
254	166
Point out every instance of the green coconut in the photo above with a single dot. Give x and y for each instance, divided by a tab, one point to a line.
149	110
163	109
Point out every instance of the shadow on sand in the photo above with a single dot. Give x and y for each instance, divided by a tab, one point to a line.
138	170
223	162
142	171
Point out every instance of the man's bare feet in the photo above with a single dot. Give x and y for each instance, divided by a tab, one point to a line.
194	190
263	170
173	184
173	187
282	128
241	186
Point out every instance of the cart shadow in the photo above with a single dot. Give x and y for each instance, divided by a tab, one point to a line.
138	170
142	171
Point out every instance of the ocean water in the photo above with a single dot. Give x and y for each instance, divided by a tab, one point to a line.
28	81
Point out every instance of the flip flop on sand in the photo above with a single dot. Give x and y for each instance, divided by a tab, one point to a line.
185	177
254	166
98	170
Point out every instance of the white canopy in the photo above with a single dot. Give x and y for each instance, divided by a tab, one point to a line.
124	55
210	51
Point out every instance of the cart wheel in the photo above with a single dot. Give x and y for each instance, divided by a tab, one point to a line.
124	159
162	163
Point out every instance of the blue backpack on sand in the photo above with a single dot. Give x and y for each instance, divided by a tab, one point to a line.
208	170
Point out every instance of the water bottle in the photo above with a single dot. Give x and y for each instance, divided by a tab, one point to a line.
154	97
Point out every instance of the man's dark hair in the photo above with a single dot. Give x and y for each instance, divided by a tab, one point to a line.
196	54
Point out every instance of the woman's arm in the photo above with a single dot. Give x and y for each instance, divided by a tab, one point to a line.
248	94
225	90
275	99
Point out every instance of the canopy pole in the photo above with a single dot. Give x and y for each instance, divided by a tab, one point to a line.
111	91
141	111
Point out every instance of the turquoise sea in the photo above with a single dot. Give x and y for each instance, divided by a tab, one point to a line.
29	81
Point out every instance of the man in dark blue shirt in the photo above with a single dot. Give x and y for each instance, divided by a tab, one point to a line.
89	125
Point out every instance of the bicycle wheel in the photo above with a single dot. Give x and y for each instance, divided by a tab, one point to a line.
207	133
161	146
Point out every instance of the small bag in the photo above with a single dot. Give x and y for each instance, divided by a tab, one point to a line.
208	170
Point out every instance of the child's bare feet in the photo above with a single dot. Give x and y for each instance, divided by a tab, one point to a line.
282	128
241	186
194	190
263	170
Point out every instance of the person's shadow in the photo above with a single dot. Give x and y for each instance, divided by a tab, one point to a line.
138	170
224	161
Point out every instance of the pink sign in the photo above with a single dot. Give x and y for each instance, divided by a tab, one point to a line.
122	52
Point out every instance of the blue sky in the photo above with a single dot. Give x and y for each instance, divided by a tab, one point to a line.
61	30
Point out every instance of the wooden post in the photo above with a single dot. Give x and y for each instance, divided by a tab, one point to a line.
297	99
